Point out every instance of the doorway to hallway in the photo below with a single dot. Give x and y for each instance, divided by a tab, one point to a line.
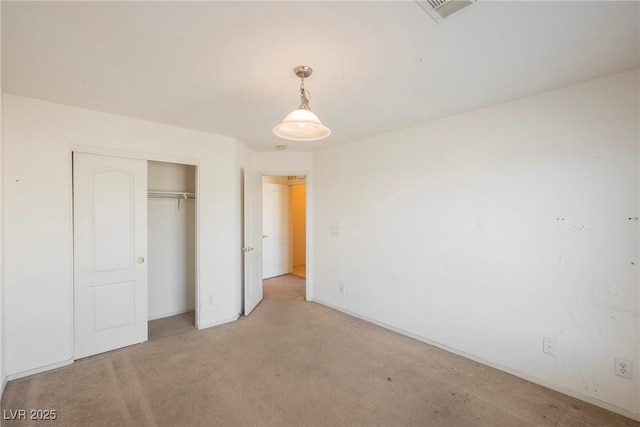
284	226
274	235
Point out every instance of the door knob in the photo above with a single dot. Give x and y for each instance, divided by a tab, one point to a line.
140	260
264	236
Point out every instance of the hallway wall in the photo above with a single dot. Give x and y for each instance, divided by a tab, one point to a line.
298	224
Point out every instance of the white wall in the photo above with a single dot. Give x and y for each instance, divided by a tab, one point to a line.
2	299
487	231
172	241
283	163
39	137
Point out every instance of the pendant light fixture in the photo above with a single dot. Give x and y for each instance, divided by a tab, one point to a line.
302	124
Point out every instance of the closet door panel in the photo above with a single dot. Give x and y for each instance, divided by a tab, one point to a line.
110	245
113	206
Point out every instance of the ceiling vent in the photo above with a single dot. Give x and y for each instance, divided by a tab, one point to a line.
440	9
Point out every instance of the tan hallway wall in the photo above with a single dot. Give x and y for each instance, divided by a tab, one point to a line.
298	223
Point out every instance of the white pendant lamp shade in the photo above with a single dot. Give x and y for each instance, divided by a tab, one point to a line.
302	124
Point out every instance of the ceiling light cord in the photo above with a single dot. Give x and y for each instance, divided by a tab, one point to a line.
305	96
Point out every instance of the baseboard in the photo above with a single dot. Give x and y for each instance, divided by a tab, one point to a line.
217	323
4	385
171	313
38	370
69	362
524	376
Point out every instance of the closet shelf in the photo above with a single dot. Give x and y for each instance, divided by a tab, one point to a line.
170	195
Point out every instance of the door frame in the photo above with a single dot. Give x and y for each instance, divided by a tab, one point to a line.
79	148
308	219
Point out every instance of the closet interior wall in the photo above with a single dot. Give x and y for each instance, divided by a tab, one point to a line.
171	238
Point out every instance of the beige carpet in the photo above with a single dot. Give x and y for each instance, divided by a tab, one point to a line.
289	287
291	363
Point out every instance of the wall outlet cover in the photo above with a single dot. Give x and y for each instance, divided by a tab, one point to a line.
624	368
549	346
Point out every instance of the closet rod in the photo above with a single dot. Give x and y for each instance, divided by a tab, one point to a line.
170	195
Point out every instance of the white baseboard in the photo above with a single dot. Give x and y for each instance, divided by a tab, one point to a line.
171	313
217	323
69	362
605	405
38	370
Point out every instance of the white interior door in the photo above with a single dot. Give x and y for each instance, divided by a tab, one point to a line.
251	241
110	246
275	230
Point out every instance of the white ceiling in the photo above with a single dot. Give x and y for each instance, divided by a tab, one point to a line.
226	67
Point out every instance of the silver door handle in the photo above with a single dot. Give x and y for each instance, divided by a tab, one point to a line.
140	260
264	236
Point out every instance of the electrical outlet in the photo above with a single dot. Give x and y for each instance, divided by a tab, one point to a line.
549	346
341	287
211	300
624	368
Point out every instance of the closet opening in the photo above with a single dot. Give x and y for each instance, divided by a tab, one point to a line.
171	212
134	250
284	236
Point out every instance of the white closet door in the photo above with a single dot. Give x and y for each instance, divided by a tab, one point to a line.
110	246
